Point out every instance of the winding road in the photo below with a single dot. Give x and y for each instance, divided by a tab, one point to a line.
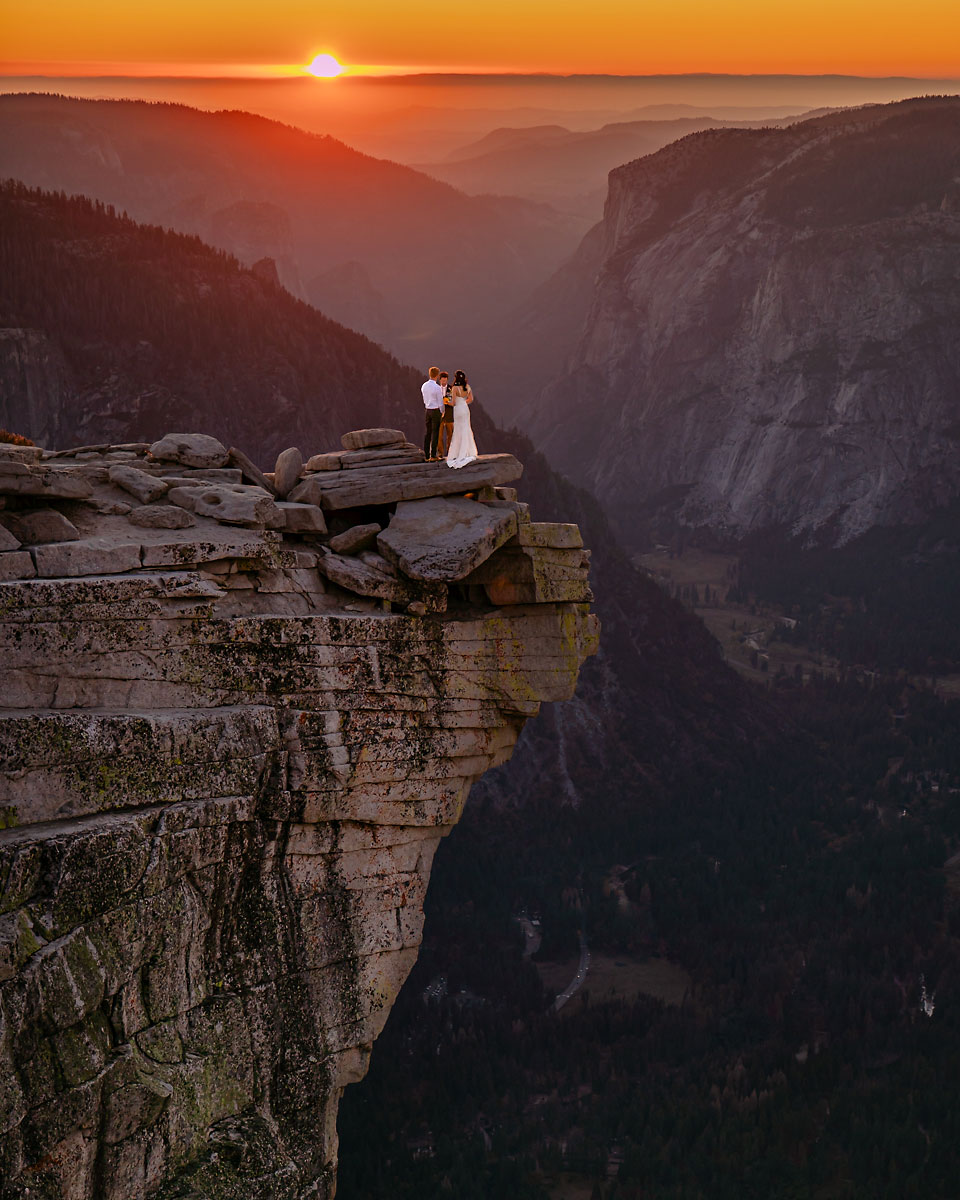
578	979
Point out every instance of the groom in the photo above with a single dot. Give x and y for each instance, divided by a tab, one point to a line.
433	411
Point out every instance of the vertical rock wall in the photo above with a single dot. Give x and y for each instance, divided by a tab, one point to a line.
223	782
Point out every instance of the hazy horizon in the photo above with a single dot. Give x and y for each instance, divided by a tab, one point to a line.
410	117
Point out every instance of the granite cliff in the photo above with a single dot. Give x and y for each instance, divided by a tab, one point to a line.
239	711
768	334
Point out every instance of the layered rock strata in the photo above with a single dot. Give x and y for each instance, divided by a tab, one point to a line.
225	766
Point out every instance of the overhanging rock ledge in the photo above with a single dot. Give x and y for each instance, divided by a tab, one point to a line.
227	756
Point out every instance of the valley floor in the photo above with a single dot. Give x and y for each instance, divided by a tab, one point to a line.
751	632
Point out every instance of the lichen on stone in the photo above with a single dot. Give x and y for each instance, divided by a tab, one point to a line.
218	810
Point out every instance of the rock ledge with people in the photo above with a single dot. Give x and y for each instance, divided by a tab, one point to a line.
238	711
352	514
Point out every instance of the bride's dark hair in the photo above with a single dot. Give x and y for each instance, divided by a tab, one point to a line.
459	380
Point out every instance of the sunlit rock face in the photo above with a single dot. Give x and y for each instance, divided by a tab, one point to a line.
772	336
223	777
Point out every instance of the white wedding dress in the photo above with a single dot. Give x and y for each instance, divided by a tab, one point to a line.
463	449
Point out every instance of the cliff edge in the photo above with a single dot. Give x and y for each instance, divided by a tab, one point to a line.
237	714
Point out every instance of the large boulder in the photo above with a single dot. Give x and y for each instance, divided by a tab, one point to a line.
538	574
355	539
287	471
444	539
302	518
236	505
191	449
7	540
42	525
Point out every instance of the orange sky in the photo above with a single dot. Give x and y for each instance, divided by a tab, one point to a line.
862	37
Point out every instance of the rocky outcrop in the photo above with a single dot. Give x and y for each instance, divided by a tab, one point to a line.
771	340
224	772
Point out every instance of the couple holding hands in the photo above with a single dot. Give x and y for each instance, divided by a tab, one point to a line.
448	419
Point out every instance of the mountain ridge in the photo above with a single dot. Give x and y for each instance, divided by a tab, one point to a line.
747	375
257	187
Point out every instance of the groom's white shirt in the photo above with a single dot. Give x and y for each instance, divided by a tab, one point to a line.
432	394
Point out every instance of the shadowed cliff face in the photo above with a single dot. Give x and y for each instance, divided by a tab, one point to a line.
223	777
771	339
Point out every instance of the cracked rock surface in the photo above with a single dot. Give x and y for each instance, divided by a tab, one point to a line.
224	771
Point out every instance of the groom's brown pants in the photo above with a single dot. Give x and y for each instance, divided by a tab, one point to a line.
432	434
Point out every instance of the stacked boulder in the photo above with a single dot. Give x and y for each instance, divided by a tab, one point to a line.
372	519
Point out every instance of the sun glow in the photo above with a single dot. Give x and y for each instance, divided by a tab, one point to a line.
325	66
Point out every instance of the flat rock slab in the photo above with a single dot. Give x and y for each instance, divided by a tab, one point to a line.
225	478
329	461
161	516
249	468
7	540
22	454
16	564
182	549
444	539
54	482
381	456
356	576
191	449
387	485
143	486
360	439
170	473
91	556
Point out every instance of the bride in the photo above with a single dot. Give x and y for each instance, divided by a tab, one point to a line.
463	449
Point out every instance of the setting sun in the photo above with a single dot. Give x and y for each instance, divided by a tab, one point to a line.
325	66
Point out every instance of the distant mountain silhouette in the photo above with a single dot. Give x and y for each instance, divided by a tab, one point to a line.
568	170
762	331
257	188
